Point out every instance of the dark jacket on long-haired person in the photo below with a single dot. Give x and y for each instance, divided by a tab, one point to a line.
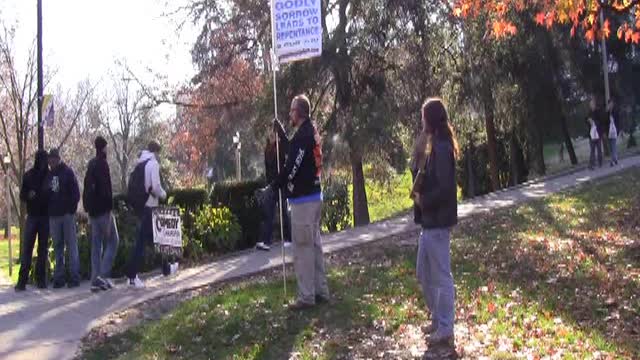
438	206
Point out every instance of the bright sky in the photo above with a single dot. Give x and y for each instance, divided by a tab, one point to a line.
83	38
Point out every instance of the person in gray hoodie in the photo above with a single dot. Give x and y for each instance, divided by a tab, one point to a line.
149	162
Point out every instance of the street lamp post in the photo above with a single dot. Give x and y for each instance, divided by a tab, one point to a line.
7	162
238	144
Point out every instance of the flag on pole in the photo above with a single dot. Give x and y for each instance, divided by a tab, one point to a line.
48	111
296	29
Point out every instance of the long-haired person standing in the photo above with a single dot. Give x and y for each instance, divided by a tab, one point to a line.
434	194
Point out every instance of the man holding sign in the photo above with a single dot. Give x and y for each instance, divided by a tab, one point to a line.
301	178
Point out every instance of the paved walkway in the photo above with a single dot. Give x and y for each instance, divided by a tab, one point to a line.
47	324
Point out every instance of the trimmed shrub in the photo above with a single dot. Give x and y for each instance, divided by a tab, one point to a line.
217	229
240	198
336	212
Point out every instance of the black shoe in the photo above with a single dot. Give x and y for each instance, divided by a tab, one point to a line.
322	299
20	287
73	284
299	306
42	285
58	285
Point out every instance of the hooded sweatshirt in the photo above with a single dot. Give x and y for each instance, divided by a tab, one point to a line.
102	196
34	181
63	191
152	178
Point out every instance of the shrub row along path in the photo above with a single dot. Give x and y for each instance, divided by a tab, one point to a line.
48	324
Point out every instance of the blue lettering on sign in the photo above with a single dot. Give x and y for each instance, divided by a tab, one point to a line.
292	4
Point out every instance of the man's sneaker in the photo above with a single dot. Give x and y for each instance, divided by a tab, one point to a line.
96	286
299	305
287	244
320	299
42	285
136	283
262	246
73	284
439	338
58	284
107	283
20	287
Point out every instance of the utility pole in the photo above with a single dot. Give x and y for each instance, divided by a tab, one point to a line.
40	79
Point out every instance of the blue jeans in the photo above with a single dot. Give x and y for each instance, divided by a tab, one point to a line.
268	209
596	148
144	235
434	274
63	233
104	245
35	226
614	150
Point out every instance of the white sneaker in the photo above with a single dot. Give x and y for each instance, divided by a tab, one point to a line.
136	283
287	244
262	246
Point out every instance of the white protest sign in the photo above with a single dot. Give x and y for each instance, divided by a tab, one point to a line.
296	28
167	227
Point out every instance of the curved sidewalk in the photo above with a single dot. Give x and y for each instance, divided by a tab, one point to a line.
48	324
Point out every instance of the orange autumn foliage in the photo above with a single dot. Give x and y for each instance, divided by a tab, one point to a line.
581	15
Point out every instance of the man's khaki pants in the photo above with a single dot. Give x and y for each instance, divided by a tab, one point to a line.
308	260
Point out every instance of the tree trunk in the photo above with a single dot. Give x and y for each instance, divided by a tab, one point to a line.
492	147
513	159
567	138
471	176
360	205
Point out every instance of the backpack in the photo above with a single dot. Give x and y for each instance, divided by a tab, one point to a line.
137	194
89	189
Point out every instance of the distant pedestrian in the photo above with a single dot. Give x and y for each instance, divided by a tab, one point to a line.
436	197
301	179
97	198
64	195
614	130
270	197
144	193
595	141
33	193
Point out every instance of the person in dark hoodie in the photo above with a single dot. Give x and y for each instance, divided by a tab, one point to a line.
37	224
436	197
301	179
97	198
64	195
271	199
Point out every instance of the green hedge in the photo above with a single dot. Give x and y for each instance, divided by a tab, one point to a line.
240	198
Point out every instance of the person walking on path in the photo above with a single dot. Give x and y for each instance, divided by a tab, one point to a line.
301	179
437	200
97	198
594	143
33	193
271	198
63	195
614	131
147	173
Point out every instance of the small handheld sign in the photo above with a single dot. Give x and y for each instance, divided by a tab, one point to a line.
167	230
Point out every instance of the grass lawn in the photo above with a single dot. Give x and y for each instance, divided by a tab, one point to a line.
556	278
4	254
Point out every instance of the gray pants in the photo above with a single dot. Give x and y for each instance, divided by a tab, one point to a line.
104	245
63	232
434	273
308	259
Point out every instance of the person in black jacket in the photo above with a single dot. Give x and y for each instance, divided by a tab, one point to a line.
436	197
37	224
98	202
301	179
64	195
271	199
